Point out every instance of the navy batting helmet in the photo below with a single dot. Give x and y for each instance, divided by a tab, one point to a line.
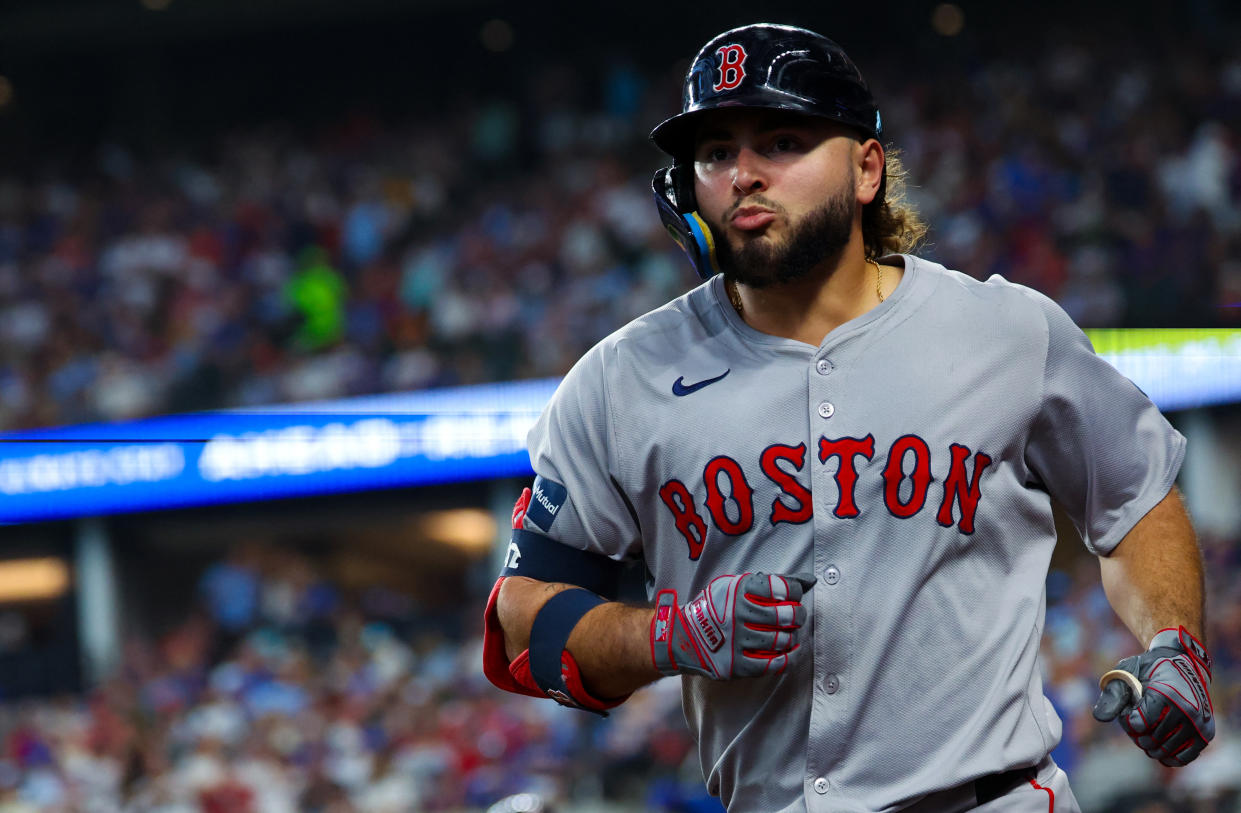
777	67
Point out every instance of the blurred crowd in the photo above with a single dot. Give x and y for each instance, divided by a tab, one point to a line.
281	692
278	691
499	239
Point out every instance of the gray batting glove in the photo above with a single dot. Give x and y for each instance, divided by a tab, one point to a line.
739	626
1173	720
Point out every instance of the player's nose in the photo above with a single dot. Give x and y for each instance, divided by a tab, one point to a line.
749	172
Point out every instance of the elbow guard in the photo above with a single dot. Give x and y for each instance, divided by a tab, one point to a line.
547	669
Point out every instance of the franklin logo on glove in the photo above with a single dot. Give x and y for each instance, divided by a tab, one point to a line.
708	629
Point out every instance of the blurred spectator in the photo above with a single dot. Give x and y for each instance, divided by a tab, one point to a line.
318	293
230	591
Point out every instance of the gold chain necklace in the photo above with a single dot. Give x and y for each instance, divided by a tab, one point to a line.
734	296
878	278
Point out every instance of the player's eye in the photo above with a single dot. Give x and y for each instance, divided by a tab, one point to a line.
784	143
714	154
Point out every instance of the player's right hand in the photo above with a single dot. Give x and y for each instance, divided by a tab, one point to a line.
739	626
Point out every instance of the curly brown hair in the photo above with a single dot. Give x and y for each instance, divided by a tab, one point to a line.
889	224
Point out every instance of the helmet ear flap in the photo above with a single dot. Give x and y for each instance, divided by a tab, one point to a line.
673	188
681	181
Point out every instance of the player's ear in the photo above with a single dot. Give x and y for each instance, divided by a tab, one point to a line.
868	169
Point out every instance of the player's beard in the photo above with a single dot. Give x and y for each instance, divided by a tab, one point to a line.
817	238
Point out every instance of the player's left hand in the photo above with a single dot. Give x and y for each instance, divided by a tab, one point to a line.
1174	719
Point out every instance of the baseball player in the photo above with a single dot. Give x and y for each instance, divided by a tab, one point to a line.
837	462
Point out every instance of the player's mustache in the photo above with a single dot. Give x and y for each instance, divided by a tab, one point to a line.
753	200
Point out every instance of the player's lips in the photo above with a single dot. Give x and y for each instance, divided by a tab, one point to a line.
749	218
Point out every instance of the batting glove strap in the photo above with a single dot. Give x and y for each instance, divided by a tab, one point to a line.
674	648
1175	718
1191	646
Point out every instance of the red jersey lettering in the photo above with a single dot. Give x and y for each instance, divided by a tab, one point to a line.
894	475
681	503
846	476
957	490
796	455
742	494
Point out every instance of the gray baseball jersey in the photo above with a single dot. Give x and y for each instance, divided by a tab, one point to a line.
910	462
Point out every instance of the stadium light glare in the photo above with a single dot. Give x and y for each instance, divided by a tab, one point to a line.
948	19
33	579
470	530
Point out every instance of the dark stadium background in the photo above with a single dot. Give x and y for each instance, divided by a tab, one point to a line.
87	69
195	78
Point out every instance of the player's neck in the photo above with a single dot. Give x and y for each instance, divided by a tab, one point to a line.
808	309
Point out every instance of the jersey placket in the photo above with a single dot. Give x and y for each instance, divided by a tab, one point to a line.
832	595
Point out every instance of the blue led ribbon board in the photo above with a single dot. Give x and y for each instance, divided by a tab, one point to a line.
358	444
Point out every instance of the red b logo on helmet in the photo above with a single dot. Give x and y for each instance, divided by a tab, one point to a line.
732	70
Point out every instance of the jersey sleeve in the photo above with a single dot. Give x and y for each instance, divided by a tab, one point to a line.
577	497
1098	444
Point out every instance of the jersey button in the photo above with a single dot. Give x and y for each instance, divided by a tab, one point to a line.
820	785
826	410
832	684
831	575
823	366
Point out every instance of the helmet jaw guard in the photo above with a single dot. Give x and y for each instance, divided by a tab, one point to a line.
775	67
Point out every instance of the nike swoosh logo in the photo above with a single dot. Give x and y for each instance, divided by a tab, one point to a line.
679	387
